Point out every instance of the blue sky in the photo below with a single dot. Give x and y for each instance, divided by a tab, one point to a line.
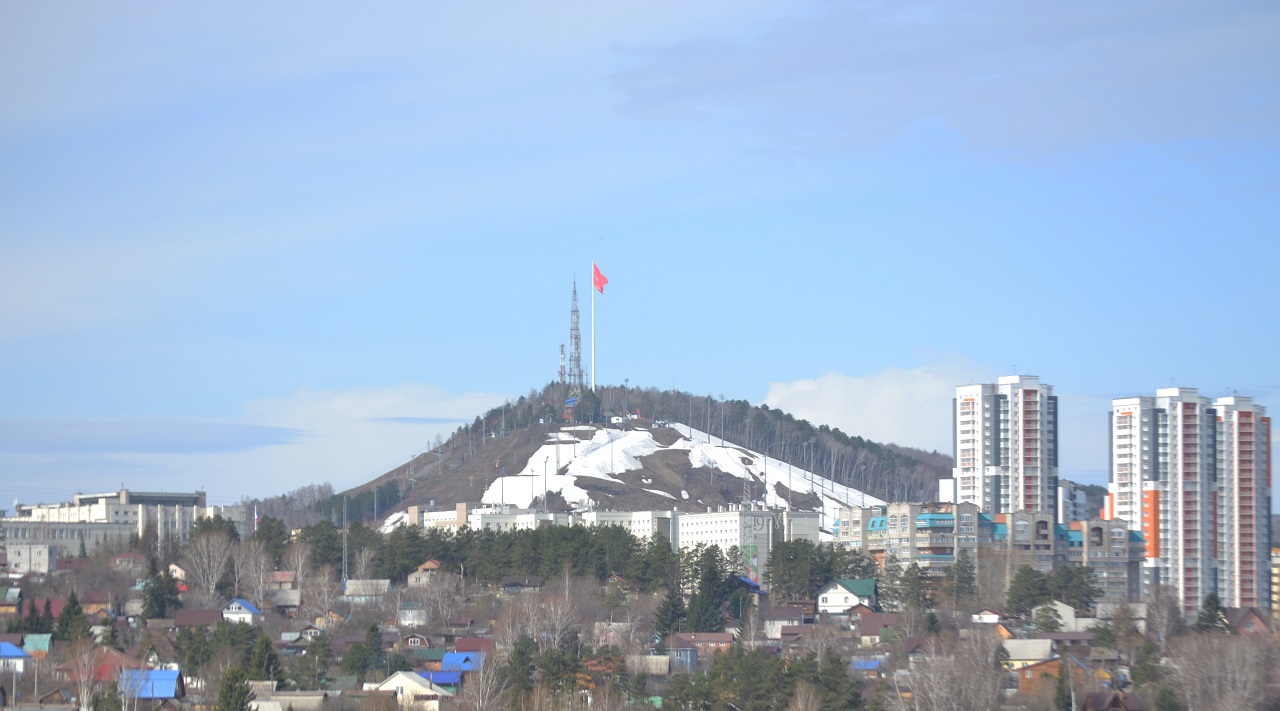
247	247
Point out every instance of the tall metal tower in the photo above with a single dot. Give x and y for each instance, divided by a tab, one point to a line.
576	379
562	364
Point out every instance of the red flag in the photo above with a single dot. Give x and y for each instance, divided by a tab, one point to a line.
597	278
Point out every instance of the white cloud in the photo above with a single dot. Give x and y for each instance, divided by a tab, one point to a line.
911	407
345	438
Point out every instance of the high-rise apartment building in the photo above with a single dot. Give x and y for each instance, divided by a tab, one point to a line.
1194	476
1243	506
1005	438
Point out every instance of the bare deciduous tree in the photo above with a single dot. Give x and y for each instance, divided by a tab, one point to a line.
206	558
1218	671
297	557
83	659
805	698
363	567
484	686
320	592
255	570
964	677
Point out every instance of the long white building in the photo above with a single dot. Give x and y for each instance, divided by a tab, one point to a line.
1005	439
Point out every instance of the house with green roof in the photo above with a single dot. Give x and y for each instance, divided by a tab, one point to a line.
841	595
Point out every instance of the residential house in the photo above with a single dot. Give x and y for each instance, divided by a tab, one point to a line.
988	616
37	645
476	644
1034	678
613	634
178	572
415	641
153	688
422	575
286	602
451	681
283	580
365	592
1024	652
411	614
10	602
777	618
241	611
1071	622
462	661
512	584
706	643
95	602
872	627
414	691
328	620
196	618
1247	620
840	595
13	659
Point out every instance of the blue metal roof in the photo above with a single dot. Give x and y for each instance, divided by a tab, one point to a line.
878	523
149	683
865	664
9	650
451	678
462	661
248	606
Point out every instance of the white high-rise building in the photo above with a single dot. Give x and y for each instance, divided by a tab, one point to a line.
1005	437
1243	528
1194	477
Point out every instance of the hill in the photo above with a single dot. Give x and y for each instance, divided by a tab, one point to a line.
732	449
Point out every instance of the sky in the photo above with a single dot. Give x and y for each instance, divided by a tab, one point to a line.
246	247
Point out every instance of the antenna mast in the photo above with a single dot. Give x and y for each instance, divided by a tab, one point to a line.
576	381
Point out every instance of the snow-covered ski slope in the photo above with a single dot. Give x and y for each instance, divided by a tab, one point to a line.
612	451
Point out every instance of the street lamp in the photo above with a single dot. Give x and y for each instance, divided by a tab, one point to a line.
544	482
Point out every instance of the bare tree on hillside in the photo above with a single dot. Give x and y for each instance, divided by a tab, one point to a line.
83	658
297	557
255	566
485	686
363	566
320	592
206	559
966	677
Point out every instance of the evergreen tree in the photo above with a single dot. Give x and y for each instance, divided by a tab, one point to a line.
46	618
264	663
671	613
1028	590
1212	617
273	536
72	623
160	595
519	669
915	586
962	579
1062	690
234	693
1047	619
838	690
1167	700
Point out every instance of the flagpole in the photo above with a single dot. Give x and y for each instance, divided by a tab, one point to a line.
593	327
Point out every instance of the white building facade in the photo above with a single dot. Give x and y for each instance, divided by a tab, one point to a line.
1005	439
1194	476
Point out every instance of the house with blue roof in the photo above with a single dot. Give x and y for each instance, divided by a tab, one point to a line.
13	659
462	661
153	688
240	610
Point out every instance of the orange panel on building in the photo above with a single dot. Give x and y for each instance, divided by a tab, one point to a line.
1151	521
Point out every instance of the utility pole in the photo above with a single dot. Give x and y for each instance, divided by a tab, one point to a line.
344	539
